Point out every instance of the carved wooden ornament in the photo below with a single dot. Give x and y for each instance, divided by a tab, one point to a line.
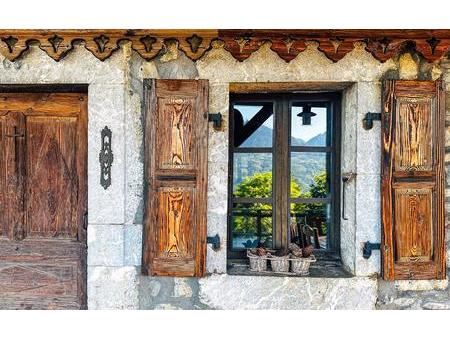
335	44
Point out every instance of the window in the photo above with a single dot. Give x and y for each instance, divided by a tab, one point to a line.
284	172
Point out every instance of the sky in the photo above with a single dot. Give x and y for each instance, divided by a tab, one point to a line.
298	130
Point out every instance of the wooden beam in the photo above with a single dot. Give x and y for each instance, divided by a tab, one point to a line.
433	44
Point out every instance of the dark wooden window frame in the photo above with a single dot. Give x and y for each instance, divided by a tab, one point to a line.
281	149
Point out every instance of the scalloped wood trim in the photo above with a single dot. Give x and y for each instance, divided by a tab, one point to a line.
335	44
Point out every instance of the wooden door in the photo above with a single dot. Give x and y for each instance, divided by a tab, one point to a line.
176	149
412	180
43	203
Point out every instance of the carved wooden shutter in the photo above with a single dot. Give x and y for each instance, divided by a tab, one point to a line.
176	148
412	196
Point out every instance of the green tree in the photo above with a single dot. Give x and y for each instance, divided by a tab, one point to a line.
258	185
319	186
315	212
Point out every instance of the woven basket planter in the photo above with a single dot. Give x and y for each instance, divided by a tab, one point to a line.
257	263
279	264
300	266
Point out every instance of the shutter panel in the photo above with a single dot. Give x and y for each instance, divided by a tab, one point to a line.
176	149
412	182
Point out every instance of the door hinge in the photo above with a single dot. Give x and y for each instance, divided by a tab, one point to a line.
369	118
368	247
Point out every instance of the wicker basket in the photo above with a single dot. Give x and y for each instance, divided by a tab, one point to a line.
257	263
279	264
300	266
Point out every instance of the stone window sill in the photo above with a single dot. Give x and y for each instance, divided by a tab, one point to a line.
320	269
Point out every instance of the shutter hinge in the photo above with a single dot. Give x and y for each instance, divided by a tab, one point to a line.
368	247
214	240
216	119
369	118
147	83
85	221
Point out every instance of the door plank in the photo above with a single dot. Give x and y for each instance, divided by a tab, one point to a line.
43	244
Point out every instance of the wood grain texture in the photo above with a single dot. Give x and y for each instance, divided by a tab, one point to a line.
176	141
412	188
413	131
4	224
335	44
43	250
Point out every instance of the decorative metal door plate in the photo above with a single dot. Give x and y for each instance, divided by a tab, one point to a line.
106	158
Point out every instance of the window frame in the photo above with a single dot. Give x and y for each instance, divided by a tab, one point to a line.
281	155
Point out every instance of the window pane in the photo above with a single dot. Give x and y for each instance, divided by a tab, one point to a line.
252	175
310	175
307	129
253	125
252	225
317	219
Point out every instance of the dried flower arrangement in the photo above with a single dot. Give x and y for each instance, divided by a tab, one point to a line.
295	258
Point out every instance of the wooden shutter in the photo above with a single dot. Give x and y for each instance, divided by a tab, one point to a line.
176	148
412	183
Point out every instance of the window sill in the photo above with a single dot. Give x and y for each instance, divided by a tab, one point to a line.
320	269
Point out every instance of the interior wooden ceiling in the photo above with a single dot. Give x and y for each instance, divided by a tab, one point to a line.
335	44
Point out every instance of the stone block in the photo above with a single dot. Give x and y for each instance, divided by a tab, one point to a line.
408	67
105	245
79	66
421	285
216	260
368	153
134	149
255	292
106	108
436	306
132	245
112	288
404	302
182	288
217	188
264	65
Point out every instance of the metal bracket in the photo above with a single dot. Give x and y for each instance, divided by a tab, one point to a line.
214	240
368	247
216	119
369	118
347	177
106	158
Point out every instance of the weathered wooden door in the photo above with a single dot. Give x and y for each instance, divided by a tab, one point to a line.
43	200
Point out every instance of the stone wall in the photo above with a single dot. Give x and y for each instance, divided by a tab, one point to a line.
115	215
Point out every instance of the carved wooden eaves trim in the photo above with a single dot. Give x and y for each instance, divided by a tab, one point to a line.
335	44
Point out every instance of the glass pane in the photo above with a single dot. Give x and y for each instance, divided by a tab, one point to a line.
252	225
310	175
311	224
253	125
252	175
308	129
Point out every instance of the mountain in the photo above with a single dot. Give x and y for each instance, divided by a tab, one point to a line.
262	137
318	140
304	166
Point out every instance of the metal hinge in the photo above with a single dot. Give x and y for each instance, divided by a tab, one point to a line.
85	221
368	247
216	119
214	240
369	118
